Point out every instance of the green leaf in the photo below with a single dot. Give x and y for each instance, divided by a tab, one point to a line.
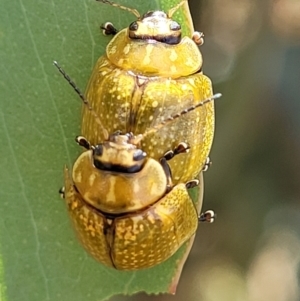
40	258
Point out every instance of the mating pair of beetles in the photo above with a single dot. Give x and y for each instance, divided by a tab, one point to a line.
147	129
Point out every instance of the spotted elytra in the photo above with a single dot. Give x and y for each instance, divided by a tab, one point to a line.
127	194
150	71
124	205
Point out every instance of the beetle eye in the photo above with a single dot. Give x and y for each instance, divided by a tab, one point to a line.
98	150
175	26
139	155
133	26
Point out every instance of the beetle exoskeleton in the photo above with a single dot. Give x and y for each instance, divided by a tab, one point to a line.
149	72
124	207
127	194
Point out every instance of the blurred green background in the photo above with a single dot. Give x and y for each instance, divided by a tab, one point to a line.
252	55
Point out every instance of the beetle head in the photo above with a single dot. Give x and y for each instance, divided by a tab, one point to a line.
156	26
119	153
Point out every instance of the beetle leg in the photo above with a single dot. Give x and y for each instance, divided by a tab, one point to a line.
182	147
191	184
108	29
62	192
82	141
197	37
207	164
179	149
208	216
167	170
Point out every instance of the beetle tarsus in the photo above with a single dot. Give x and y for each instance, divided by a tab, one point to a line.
198	38
207	164
208	216
191	184
109	29
181	148
82	141
62	192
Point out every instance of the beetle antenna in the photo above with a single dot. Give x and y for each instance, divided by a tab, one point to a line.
80	94
132	10
171	118
173	10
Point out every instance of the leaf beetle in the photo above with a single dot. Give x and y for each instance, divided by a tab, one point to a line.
148	72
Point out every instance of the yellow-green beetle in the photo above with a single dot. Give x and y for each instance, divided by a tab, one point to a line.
124	207
149	71
130	208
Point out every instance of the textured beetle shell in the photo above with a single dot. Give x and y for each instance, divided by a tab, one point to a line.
154	59
113	192
134	241
130	102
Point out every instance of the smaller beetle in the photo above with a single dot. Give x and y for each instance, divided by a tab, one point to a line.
125	209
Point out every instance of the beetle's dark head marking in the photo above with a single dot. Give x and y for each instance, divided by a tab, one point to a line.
156	26
119	154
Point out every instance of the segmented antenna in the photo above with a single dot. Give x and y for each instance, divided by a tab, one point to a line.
132	10
171	118
173	10
85	101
